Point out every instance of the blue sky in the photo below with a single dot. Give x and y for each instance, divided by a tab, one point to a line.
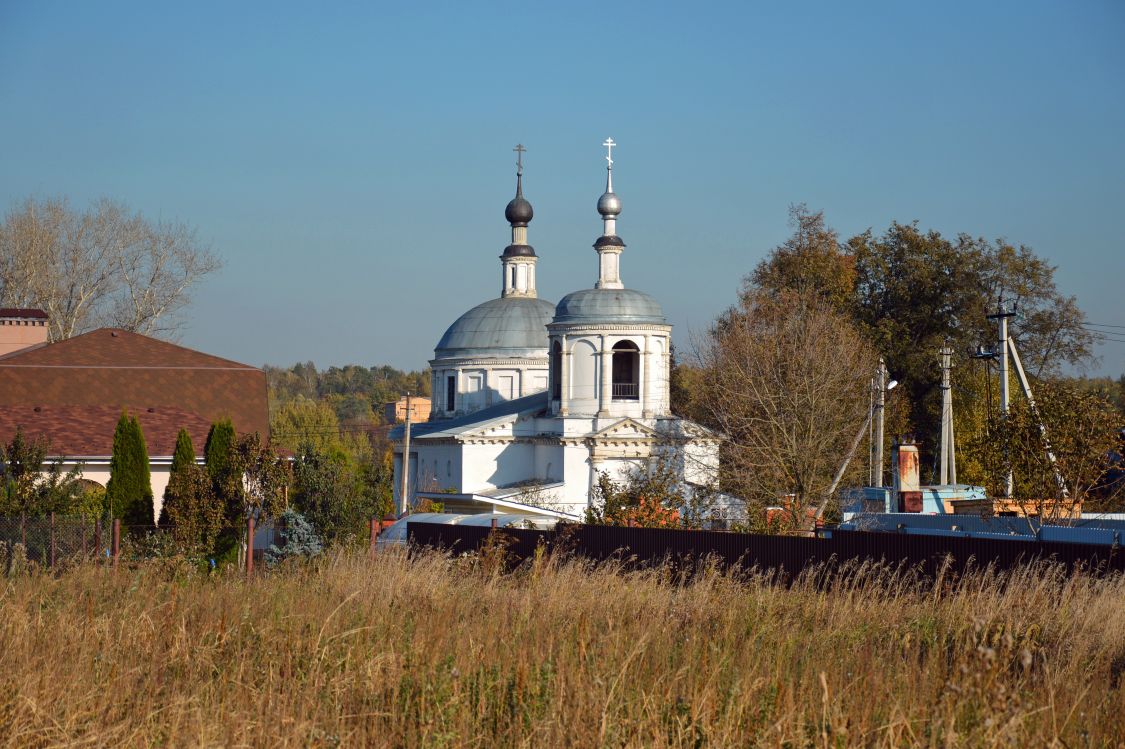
351	162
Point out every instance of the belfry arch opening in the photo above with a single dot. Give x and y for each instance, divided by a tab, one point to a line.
556	371
626	371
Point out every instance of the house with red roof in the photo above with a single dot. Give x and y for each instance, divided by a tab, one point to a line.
71	393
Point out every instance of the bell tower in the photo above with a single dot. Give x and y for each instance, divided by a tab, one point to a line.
519	259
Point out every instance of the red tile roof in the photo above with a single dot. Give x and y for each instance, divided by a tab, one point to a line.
23	312
116	370
87	431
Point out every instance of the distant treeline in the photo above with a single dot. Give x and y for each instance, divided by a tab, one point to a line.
356	393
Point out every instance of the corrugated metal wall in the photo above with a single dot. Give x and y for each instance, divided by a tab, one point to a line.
789	553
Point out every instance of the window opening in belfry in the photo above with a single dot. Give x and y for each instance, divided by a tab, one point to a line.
626	371
556	371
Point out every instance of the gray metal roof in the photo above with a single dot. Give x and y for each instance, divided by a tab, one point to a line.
506	327
497	412
609	305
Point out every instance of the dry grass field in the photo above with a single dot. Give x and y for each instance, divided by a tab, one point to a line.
436	652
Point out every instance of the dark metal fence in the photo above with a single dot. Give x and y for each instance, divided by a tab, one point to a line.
788	554
51	540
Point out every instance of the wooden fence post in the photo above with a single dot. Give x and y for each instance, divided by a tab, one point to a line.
115	544
98	540
249	546
52	564
374	535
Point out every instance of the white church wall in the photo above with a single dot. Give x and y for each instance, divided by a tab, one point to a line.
489	466
584	378
658	383
479	384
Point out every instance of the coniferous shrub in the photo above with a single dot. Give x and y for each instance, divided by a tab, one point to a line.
192	511
185	452
129	491
298	539
217	451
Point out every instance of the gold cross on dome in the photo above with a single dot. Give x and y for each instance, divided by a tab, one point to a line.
609	144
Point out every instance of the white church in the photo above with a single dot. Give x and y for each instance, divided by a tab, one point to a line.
531	401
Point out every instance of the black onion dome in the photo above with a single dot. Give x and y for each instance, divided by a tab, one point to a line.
519	211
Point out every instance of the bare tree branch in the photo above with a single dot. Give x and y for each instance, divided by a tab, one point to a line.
102	267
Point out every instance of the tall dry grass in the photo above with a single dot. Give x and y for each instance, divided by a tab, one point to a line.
432	651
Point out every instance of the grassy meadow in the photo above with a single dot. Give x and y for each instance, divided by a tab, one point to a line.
431	651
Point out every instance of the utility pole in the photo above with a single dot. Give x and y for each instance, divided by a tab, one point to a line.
1025	384
1001	316
880	404
948	448
405	460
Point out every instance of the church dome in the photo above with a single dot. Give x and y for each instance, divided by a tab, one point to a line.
609	305
519	211
507	327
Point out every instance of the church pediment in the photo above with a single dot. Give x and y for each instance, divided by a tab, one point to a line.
493	430
626	430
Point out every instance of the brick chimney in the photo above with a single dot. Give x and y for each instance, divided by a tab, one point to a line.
21	328
907	486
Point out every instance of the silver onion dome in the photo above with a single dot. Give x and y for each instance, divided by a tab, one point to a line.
609	204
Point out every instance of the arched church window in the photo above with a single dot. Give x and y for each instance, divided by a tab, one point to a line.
626	371
556	371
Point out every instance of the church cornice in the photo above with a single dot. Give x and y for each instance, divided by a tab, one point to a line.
594	327
481	361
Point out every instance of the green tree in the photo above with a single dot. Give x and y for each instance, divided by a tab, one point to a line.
183	459
303	423
129	491
1083	430
217	450
184	454
263	481
333	497
196	517
29	486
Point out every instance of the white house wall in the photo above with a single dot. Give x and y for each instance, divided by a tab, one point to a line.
97	470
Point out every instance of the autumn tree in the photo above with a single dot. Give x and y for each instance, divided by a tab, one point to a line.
810	260
787	382
910	292
104	266
1083	431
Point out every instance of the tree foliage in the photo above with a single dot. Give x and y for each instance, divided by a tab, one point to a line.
129	491
31	485
192	511
218	449
1083	430
105	266
334	496
184	454
786	380
299	540
910	292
